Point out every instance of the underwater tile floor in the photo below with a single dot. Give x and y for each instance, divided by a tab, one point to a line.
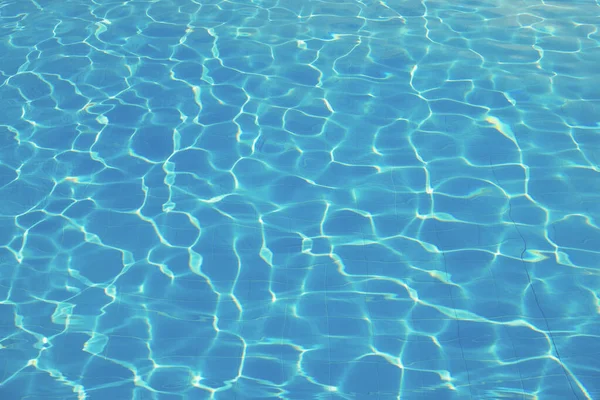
299	199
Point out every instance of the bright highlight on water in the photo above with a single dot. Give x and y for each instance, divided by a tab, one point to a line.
299	199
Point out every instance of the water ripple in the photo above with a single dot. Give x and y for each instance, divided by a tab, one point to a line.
299	199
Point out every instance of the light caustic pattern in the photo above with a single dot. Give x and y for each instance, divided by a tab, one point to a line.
299	199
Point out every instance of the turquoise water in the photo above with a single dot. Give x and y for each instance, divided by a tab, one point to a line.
299	199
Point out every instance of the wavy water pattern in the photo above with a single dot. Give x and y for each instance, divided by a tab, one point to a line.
299	199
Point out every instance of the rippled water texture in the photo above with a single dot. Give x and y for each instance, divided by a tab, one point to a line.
299	199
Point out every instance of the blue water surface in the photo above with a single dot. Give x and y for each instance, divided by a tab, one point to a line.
299	199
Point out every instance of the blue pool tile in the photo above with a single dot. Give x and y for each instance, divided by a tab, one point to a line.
298	200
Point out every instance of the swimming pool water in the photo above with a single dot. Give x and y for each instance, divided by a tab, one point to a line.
299	199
